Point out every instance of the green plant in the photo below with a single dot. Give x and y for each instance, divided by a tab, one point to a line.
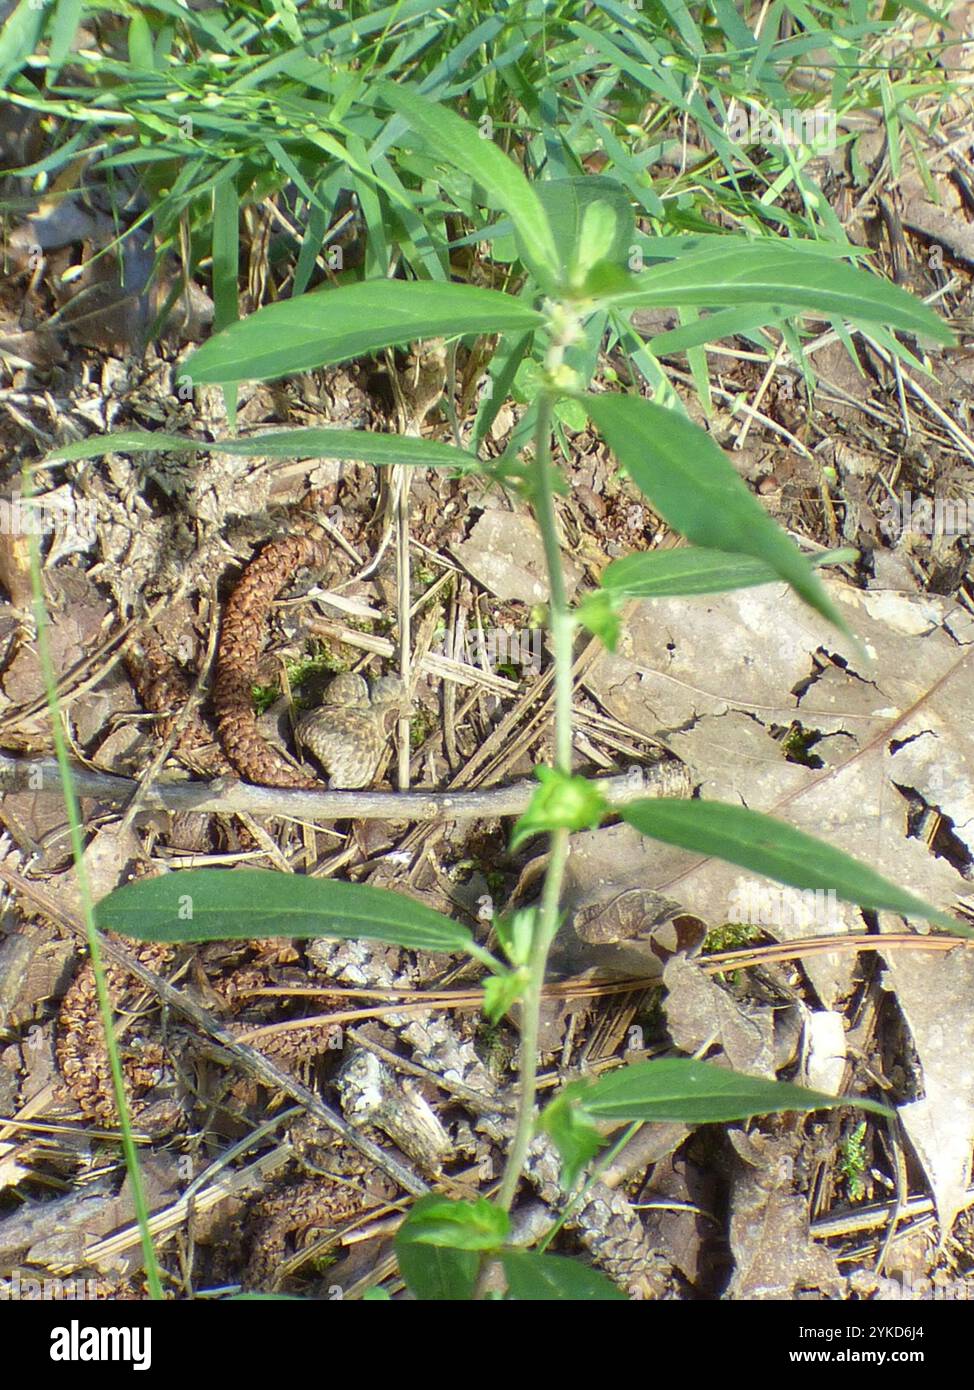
576	243
853	1161
729	934
206	115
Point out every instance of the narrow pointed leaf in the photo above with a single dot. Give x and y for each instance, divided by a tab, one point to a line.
678	1089
19	34
776	850
786	277
249	904
361	445
693	570
694	488
328	326
460	144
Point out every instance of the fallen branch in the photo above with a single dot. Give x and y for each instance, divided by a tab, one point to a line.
41	775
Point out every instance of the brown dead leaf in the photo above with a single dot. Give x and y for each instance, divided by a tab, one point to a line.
719	680
774	1255
504	553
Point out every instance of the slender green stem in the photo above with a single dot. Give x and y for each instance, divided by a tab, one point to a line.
88	914
530	1013
562	625
547	926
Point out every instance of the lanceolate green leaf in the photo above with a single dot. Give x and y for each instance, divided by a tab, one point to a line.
437	1244
504	185
567	202
553	1278
458	1225
670	248
694	488
776	850
677	1089
437	1273
741	319
785	277
247	904
313	443
693	570
330	326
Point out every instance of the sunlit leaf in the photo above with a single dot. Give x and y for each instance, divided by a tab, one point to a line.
693	570
697	491
776	850
786	277
679	1089
504	184
554	1278
365	446
248	904
561	802
336	325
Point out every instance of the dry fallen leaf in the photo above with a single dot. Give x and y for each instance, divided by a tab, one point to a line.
505	554
719	680
774	1255
936	997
